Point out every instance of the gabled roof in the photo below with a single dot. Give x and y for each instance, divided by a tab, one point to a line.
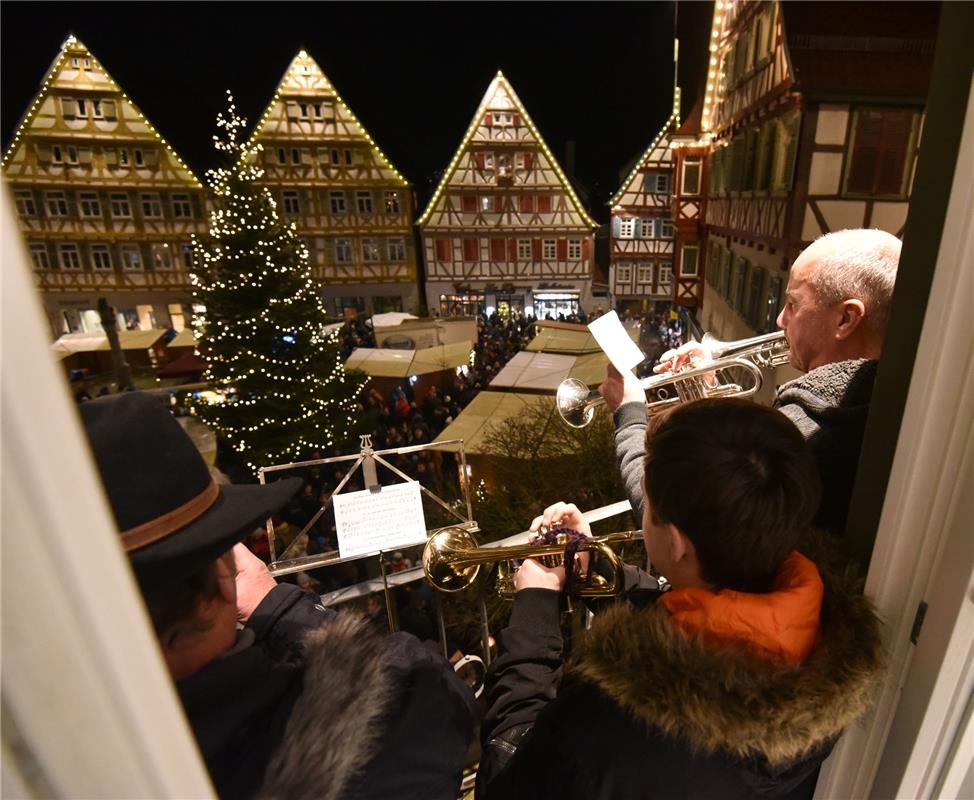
668	128
304	77
96	78
500	86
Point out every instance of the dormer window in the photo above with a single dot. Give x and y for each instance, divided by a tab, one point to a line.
502	119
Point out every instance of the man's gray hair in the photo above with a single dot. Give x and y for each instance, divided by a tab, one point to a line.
859	264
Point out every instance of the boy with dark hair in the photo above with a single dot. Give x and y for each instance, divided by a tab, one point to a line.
285	697
734	683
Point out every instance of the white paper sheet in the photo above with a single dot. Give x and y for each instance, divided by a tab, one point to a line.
615	342
386	520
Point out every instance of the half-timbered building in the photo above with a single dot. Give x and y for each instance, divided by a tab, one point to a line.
504	229
106	206
348	202
689	204
814	114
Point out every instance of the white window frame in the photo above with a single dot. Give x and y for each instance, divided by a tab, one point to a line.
281	153
549	249
96	108
337	204
151	205
182	206
624	273
57	154
98	250
627	227
524	250
24	199
644	274
138	157
40	256
574	249
56	204
72	155
665	276
371	251
647	229
397	249
123	157
131	255
116	201
343	251
82	106
363	202
291	202
392	203
691	162
667	229
66	249
161	255
89	205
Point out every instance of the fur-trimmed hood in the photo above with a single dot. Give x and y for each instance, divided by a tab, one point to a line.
727	699
332	731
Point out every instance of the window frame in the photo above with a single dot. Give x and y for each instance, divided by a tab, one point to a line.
155	250
642	271
549	249
344	253
337	203
119	198
363	202
150	204
627	227
38	251
64	248
125	251
693	247
371	250
60	211
181	201
89	202
524	250
24	202
291	202
574	249
96	249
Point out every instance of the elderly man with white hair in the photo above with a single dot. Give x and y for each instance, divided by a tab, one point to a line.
834	318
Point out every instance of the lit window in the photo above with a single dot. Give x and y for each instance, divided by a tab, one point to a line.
161	255
627	228
123	157
186	254
392	202
370	251
548	249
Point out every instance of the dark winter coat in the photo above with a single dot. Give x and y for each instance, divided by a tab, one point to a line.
316	704
645	712
829	405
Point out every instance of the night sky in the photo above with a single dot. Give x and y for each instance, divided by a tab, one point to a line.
599	74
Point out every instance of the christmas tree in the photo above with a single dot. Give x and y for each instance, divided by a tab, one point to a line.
283	386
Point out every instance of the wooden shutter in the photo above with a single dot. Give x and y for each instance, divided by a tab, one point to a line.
750	160
528	160
84	155
479	160
108	109
69	107
512	250
151	157
497	250
879	152
526	203
536	249
488	119
293	110
443	250
471	250
544	203
498	203
517	119
469	204
585	248
562	250
790	152
43	152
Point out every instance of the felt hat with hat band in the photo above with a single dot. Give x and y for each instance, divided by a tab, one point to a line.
172	516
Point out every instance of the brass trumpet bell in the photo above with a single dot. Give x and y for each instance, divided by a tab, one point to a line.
452	560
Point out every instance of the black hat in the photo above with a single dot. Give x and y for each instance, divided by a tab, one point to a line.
173	517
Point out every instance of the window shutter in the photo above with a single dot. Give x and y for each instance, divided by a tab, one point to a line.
896	142
536	249
306	156
544	203
470	250
479	160
585	249
69	107
84	155
151	157
108	109
562	250
293	110
750	159
43	152
442	249
497	250
526	203
469	204
498	203
616	227
488	119
528	160
517	119
791	150
512	249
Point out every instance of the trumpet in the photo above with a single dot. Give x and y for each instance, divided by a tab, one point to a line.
576	404
452	561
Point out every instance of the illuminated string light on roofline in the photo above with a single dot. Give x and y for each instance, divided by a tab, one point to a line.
471	130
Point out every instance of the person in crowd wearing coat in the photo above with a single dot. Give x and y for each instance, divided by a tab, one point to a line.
834	319
285	697
737	681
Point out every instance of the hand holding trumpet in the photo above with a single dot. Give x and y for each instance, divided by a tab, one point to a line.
532	574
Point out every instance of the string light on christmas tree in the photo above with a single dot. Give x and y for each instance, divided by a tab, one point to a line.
281	379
